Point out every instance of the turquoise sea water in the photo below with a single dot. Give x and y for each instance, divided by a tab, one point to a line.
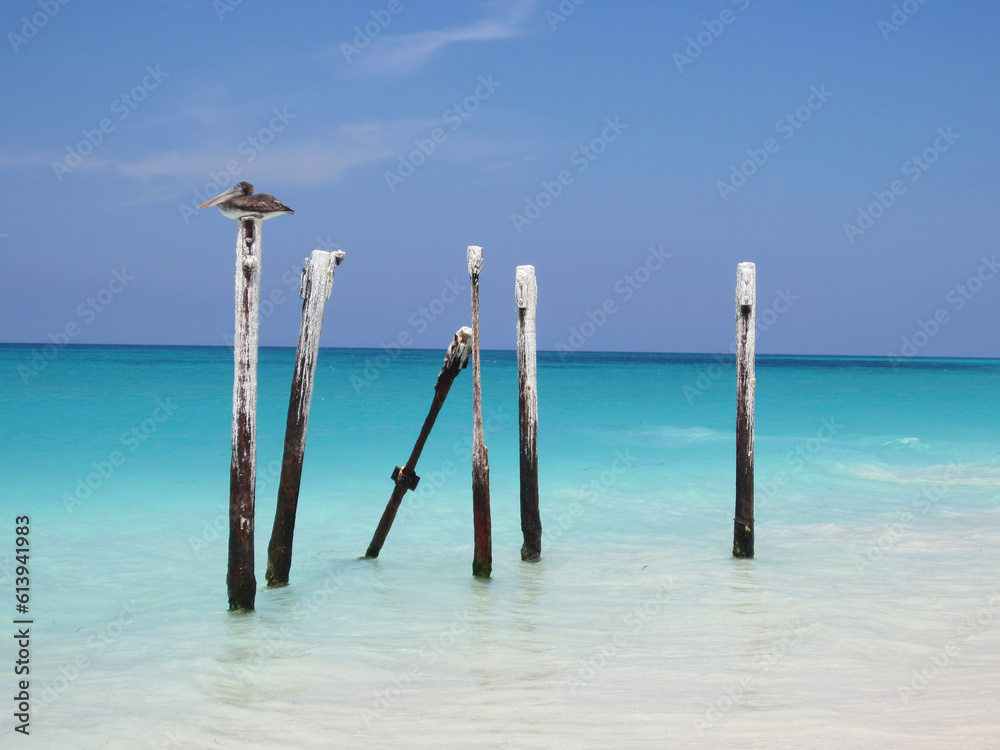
869	618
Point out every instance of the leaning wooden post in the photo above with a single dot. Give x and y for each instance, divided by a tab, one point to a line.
240	580
405	477
526	296
746	382
482	559
315	288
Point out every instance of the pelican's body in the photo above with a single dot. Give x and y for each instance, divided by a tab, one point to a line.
239	201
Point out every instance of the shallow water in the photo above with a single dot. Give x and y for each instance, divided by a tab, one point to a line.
870	617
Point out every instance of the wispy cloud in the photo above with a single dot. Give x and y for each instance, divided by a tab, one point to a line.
165	175
170	174
402	53
314	163
27	159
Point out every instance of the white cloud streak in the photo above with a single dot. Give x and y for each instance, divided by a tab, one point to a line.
402	53
306	163
164	175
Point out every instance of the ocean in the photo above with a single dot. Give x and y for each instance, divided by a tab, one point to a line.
869	618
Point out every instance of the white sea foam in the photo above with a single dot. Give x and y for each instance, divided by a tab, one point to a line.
965	475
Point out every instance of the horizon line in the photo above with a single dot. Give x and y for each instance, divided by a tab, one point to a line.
886	357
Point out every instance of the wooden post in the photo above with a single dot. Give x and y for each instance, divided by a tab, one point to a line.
455	360
526	296
482	560
315	288
240	580
746	383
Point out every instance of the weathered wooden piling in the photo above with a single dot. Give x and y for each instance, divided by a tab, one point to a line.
482	560
405	477
315	288
746	382
526	297
240	580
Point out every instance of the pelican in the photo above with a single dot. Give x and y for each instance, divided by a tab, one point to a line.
239	201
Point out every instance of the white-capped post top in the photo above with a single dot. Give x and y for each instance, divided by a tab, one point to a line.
475	255
746	284
525	287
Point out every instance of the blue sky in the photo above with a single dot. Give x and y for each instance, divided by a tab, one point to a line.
633	152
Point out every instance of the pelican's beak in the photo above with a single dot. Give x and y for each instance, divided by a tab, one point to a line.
222	197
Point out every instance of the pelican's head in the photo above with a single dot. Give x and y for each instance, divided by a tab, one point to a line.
242	188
